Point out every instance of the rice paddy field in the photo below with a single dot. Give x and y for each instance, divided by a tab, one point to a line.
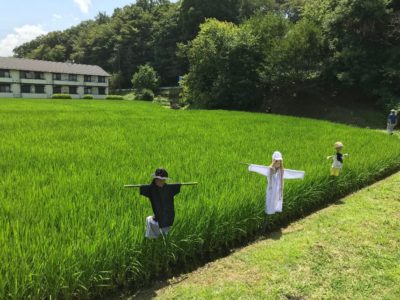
68	228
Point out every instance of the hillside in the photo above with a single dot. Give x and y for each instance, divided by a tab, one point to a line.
344	108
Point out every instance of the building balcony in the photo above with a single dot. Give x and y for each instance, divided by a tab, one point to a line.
6	80
102	84
34	81
66	82
34	95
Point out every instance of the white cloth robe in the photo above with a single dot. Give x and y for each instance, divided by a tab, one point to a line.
274	197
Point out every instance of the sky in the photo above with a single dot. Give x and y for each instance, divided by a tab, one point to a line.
24	20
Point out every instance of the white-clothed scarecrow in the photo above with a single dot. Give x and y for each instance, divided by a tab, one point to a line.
276	175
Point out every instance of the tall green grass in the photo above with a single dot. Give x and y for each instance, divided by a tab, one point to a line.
69	229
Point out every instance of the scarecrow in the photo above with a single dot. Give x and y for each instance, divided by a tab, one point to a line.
275	174
337	159
161	196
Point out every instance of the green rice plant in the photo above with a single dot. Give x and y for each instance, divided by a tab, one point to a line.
69	229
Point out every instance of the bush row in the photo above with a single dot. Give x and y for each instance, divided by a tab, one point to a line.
145	95
87	97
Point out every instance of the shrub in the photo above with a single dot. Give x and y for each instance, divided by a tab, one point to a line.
61	96
130	96
146	95
88	97
114	97
145	78
162	101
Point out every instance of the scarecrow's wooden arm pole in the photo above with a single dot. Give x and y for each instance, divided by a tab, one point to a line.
133	185
139	185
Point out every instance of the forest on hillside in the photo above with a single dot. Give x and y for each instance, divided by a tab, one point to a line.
241	53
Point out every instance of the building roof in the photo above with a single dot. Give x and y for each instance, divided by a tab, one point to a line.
23	64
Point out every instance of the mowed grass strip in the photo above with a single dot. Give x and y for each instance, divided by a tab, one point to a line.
69	229
350	250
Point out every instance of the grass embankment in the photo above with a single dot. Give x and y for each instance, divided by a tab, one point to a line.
346	108
350	250
68	228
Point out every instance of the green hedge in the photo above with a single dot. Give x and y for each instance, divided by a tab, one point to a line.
61	96
146	95
88	97
114	97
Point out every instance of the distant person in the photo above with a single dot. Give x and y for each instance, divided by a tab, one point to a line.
391	121
337	159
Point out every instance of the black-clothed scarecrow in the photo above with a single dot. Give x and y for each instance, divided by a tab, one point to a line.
161	196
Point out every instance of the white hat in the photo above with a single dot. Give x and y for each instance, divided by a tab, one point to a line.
339	145
160	177
277	156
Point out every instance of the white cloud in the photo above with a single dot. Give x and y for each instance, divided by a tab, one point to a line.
21	35
83	5
56	17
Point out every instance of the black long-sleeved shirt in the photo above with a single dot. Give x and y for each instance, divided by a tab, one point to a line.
162	202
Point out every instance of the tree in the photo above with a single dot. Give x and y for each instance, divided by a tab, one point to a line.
116	81
166	36
297	58
223	67
195	12
269	30
356	41
248	8
145	78
292	8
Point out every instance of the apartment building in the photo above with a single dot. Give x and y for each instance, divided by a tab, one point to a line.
28	78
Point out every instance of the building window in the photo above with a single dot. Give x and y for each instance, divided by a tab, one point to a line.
102	79
27	75
5	88
57	76
73	90
39	89
88	78
102	90
25	88
88	90
5	73
73	77
57	89
39	75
